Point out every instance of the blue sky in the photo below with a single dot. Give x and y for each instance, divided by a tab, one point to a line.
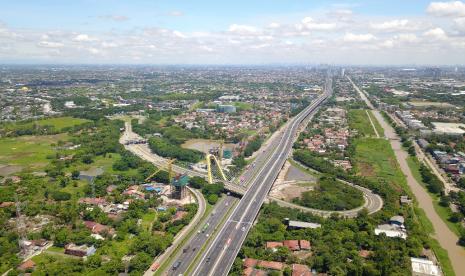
170	31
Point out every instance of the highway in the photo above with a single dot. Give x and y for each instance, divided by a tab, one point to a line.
222	251
206	228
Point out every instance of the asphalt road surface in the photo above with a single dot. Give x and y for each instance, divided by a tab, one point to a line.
221	253
187	254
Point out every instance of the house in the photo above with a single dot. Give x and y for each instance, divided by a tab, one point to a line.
397	220
273	245
27	265
294	224
111	188
96	227
79	250
424	267
395	228
293	245
249	262
404	200
304	245
250	271
271	265
301	270
93	201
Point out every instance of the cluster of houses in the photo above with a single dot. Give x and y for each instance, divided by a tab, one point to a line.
333	137
293	245
260	267
226	118
453	163
410	120
335	132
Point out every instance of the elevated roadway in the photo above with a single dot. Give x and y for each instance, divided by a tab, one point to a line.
221	253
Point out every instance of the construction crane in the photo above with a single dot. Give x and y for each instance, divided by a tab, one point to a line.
170	171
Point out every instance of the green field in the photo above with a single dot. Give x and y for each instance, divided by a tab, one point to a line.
378	127
58	123
243	106
359	121
30	152
62	122
375	159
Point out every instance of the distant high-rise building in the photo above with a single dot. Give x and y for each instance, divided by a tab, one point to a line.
434	72
343	72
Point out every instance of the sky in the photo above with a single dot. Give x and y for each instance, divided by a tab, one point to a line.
358	32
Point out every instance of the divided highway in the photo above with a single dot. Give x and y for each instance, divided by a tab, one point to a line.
221	253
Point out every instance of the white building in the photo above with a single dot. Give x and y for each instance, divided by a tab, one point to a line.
424	267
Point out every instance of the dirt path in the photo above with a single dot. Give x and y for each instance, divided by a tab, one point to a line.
446	238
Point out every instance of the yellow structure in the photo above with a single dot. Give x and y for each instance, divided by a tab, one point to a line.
170	171
209	167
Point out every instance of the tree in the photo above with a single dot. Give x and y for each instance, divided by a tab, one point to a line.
456	217
75	174
197	182
212	199
60	196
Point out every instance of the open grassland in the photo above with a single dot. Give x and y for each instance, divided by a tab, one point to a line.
378	127
58	123
358	120
62	122
30	152
374	158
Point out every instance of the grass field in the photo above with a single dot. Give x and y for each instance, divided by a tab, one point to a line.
375	159
359	121
243	106
378	127
58	123
62	122
30	152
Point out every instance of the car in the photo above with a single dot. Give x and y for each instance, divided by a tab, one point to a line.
207	235
208	259
243	228
176	265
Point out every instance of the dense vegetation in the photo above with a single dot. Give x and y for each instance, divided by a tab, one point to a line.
331	194
253	146
163	148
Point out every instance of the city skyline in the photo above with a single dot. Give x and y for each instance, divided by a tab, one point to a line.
259	32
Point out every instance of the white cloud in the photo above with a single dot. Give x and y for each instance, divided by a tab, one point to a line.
179	34
351	37
408	38
117	18
274	25
310	24
109	45
447	9
436	34
50	44
394	25
242	29
176	13
83	38
459	24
